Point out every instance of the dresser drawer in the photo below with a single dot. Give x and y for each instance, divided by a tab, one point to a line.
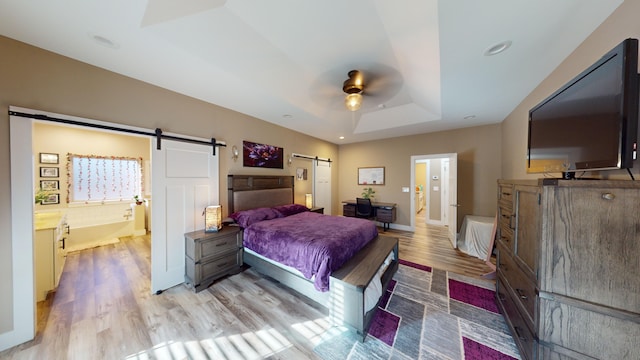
505	194
505	236
520	331
523	290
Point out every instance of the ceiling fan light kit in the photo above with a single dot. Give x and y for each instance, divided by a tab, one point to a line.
353	101
353	87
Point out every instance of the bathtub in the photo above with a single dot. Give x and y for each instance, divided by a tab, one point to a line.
101	224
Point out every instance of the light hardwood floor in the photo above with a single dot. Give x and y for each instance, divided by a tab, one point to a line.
103	308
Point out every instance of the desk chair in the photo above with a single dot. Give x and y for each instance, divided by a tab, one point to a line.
364	209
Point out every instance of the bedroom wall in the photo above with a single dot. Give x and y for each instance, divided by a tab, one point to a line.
622	24
38	79
479	153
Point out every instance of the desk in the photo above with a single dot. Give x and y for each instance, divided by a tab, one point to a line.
383	212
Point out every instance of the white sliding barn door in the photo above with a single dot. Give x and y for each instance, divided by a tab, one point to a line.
322	185
184	182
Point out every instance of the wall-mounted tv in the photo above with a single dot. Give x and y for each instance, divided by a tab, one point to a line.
591	123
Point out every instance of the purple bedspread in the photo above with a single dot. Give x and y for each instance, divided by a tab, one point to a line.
313	243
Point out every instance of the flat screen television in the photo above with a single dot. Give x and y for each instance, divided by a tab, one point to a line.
591	123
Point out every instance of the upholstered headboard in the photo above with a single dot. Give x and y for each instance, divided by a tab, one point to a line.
255	191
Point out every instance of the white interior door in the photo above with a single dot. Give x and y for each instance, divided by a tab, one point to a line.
453	199
185	181
322	185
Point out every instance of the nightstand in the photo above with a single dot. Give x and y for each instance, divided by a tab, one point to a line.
210	256
319	210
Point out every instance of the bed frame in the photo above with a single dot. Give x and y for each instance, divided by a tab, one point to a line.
345	300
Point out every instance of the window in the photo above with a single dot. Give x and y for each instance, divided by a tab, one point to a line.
103	178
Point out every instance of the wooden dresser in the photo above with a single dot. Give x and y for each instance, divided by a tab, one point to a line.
210	256
569	267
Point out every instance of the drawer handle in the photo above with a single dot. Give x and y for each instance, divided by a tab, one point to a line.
521	294
517	329
222	244
608	196
511	218
503	267
505	238
63	241
223	264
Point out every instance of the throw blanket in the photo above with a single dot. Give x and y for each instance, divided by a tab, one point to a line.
312	243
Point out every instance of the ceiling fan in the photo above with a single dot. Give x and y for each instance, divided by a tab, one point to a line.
353	87
372	84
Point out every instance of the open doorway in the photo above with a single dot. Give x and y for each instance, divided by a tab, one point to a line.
184	160
434	191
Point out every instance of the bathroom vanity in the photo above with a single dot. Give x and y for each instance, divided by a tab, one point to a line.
49	248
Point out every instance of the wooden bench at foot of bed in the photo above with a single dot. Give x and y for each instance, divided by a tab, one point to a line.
345	299
353	278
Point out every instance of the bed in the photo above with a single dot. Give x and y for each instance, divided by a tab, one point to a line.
349	286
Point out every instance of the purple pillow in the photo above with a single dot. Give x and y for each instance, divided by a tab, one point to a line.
291	209
247	217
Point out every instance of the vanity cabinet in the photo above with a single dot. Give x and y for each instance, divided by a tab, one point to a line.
568	267
210	256
49	251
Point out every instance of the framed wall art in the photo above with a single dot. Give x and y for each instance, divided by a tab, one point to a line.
262	155
49	185
51	199
51	172
49	158
371	176
301	174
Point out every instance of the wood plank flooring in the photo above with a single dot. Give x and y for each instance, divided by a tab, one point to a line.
103	308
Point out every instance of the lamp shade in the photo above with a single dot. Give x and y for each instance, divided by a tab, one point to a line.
308	200
353	101
213	218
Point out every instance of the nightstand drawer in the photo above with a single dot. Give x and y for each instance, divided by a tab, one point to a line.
200	245
203	273
219	266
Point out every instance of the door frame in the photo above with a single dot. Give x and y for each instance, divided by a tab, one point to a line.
22	210
445	205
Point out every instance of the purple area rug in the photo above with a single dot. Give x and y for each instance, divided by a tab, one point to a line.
415	266
477	351
398	323
384	326
473	295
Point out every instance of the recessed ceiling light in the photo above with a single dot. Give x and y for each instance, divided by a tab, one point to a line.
497	48
287	116
101	40
341	138
469	117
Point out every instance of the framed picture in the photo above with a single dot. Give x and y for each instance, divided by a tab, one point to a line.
262	155
51	199
49	172
301	174
371	176
48	158
49	185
